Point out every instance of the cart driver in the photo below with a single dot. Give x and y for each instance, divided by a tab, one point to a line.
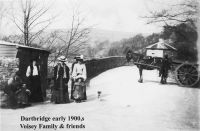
165	66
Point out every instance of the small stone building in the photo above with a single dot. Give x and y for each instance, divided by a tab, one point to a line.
160	48
12	52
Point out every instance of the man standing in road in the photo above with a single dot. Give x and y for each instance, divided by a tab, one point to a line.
165	66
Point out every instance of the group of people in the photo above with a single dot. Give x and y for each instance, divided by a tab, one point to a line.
62	77
21	93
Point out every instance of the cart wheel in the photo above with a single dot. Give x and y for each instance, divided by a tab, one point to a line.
187	75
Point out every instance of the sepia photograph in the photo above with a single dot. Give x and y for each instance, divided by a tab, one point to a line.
100	65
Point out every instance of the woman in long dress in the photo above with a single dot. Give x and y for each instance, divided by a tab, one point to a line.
79	75
61	78
33	74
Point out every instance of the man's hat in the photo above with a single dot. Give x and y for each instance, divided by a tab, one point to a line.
62	58
34	59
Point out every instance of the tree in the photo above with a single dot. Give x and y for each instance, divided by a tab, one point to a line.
75	38
68	42
136	44
179	24
3	12
184	12
90	51
31	19
13	38
114	51
184	38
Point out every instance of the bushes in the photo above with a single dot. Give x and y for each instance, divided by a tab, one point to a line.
7	67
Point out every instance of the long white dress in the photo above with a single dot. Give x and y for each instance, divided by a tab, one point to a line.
79	71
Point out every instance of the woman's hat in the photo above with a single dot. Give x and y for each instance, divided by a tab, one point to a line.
76	57
62	58
80	57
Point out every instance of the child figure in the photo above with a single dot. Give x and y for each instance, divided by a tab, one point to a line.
22	96
79	90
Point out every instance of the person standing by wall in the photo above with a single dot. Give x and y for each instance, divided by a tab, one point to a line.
33	74
72	80
79	75
61	78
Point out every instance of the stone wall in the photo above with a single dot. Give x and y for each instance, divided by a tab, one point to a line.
97	66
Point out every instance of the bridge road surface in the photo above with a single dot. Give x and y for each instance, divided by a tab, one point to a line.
125	105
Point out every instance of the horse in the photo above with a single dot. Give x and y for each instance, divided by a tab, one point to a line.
146	63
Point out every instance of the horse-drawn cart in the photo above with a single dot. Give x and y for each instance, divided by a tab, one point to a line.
186	74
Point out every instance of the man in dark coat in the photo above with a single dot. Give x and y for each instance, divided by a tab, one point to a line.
165	66
61	78
34	81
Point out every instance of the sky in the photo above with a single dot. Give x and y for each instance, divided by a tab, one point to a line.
114	15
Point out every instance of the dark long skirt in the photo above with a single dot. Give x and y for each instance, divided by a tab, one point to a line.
72	88
164	75
22	97
16	96
10	91
60	96
60	93
35	88
84	92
